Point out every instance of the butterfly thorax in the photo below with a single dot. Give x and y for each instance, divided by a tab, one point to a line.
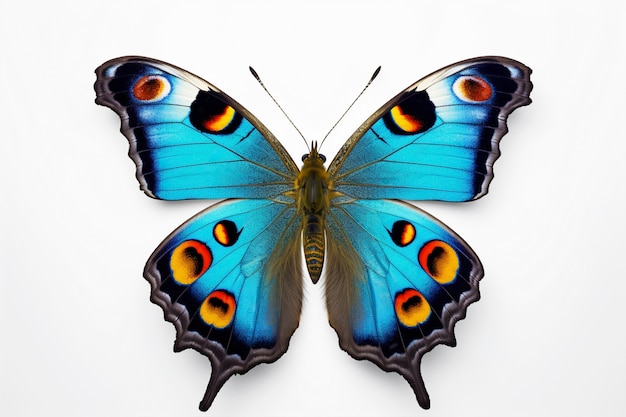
313	200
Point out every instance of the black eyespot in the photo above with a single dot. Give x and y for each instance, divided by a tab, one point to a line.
412	115
225	233
402	233
211	114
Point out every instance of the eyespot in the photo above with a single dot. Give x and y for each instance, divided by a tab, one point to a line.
151	88
225	233
209	113
414	114
402	233
189	260
405	121
219	121
218	309
439	260
411	307
472	89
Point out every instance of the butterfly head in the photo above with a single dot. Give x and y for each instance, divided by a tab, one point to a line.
313	155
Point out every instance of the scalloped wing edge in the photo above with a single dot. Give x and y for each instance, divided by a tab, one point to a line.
416	351
223	364
339	276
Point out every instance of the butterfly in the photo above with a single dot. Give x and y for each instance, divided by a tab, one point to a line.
230	279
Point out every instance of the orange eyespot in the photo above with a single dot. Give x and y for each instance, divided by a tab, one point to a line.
412	308
220	121
402	233
210	113
189	261
218	309
405	121
414	113
472	89
225	233
439	260
151	88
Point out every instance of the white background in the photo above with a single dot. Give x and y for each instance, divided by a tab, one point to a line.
79	336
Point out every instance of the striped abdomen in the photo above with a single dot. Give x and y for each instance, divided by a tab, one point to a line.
313	242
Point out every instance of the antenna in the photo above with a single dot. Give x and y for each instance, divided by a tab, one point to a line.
374	75
254	73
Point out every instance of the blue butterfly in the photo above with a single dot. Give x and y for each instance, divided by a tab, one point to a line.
230	279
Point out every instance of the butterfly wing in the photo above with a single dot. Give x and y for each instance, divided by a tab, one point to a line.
438	139
415	278
230	281
188	139
398	279
230	278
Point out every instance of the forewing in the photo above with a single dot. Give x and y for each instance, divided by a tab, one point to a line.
438	139
188	139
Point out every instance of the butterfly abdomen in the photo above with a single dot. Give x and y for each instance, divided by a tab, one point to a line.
313	242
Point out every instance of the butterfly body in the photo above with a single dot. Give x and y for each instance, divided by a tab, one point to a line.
313	201
396	279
